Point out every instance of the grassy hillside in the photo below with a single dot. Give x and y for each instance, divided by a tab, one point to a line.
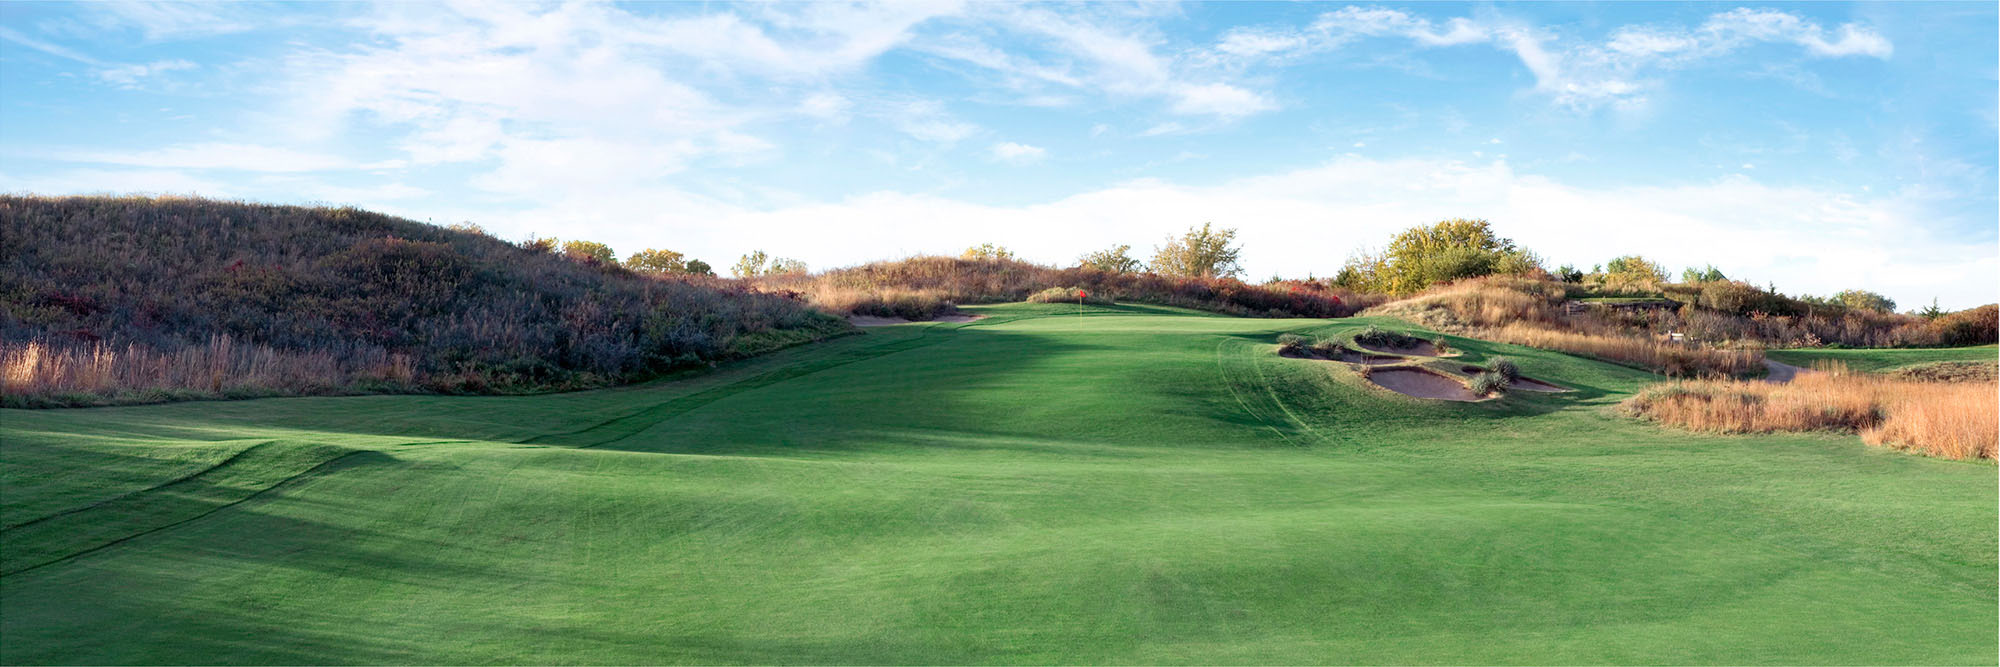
1877	360
107	299
921	288
1135	485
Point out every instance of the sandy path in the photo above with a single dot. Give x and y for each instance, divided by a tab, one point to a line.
1781	372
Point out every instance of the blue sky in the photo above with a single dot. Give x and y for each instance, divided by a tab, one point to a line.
1816	146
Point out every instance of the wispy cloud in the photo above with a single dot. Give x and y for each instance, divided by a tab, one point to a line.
1579	75
1013	153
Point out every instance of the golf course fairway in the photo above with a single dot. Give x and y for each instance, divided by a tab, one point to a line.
1130	485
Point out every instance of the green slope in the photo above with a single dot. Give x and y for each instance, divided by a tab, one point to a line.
1874	360
1137	485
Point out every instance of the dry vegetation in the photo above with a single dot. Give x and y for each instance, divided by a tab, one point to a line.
1948	420
1950	371
123	299
1528	311
924	287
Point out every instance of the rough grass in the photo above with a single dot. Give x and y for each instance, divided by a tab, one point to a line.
1947	420
1950	371
1668	358
1134	485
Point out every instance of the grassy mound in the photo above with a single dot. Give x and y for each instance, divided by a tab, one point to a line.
1135	484
136	299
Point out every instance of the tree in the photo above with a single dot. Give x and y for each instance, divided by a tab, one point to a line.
653	260
1709	275
1569	274
1633	268
783	266
589	252
751	265
1205	252
1931	312
1444	251
988	252
1865	300
468	227
1115	260
696	267
538	244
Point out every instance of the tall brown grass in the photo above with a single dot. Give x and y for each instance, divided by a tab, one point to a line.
37	374
1672	359
1946	420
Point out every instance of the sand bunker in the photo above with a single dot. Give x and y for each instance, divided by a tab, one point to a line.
1422	348
873	321
1421	384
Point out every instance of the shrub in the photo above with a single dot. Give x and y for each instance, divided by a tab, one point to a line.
1977	326
1328	347
1069	295
1505	368
1950	371
1488	383
1374	336
1291	343
988	252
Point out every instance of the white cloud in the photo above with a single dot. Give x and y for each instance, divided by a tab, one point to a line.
927	120
826	106
130	75
1105	55
1740	25
1010	152
1578	75
1218	99
1250	42
173	20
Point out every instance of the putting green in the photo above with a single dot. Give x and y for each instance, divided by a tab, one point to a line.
1134	485
1884	359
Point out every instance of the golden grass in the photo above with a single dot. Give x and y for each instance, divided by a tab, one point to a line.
1670	358
1946	420
35	371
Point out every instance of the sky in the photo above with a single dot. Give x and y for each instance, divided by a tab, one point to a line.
1811	146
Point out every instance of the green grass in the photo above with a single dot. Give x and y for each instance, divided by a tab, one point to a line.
1138	485
1884	359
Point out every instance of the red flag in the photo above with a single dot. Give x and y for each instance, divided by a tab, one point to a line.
1082	294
